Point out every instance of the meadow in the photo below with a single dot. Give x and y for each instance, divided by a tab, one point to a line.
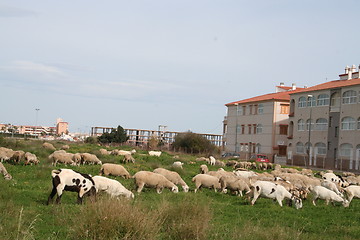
204	215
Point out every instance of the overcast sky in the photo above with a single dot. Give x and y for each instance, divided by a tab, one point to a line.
141	64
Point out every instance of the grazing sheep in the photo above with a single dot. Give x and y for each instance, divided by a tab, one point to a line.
153	180
205	180
200	159
90	159
114	170
128	158
273	191
104	151
173	177
124	152
61	157
235	184
31	159
329	176
65	147
331	186
178	164
155	153
7	176
112	187
245	174
231	163
5	154
204	169
18	156
219	163
327	195
220	172
352	191
49	146
70	180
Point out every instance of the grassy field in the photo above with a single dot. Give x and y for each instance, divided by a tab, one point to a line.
204	215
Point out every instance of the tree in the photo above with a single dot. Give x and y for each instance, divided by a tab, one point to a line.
117	135
194	143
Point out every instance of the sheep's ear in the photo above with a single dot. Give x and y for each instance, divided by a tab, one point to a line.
90	175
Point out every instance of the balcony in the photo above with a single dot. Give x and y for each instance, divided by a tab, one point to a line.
291	114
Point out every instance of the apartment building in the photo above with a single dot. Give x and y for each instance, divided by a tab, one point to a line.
324	124
259	124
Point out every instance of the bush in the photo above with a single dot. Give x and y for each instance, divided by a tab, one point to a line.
116	136
91	140
194	143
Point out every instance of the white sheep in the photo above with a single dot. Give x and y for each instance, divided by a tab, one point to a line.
104	151
329	176
235	184
173	177
153	180
273	191
112	187
205	180
5	154
327	195
124	152
69	180
245	174
31	159
49	146
212	161
17	156
114	170
331	186
352	191
90	159
155	153
204	169
7	176
178	164
61	157
128	158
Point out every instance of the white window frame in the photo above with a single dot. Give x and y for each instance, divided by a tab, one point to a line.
348	124
349	97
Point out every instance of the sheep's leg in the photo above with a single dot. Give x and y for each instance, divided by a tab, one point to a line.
314	199
256	195
79	200
350	197
279	200
140	187
197	187
327	201
51	196
240	193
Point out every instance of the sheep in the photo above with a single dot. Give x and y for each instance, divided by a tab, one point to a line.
7	175
200	159
77	158
49	146
112	187
335	178
31	159
212	161
114	170
273	191
178	164
352	191
220	172
153	180
331	186
61	157
204	169
155	153
245	174
231	163
70	180
90	159
18	156
123	152
173	177
219	163
104	151
238	185
205	180
328	195
128	158
6	154
65	147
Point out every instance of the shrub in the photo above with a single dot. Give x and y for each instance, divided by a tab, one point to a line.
91	140
194	143
117	135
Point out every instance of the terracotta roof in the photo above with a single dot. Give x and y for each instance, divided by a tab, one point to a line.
284	87
331	85
280	96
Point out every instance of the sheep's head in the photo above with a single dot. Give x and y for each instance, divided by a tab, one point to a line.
175	189
346	203
185	188
297	202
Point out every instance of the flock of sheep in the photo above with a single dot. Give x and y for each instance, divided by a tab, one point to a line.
278	184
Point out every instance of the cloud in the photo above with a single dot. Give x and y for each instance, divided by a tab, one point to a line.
9	11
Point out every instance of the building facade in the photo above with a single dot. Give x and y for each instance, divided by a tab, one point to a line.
259	125
324	124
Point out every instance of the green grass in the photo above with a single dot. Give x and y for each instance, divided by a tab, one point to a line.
204	215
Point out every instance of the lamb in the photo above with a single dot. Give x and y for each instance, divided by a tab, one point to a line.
352	191
90	159
31	159
205	180
155	153
328	195
204	169
153	180
178	164
49	146
274	191
212	161
235	184
7	176
128	158
70	180
114	170
112	187
173	177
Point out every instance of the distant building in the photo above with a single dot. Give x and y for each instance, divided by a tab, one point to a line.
259	124
61	127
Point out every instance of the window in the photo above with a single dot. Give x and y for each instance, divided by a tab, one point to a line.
349	97
348	123
302	102
284	109
320	148
308	125
323	100
239	110
358	124
244	110
346	150
237	129
283	129
299	147
250	109
301	125
258	148
249	128
260	109
321	124
254	126
311	101
259	128
242	129
255	109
